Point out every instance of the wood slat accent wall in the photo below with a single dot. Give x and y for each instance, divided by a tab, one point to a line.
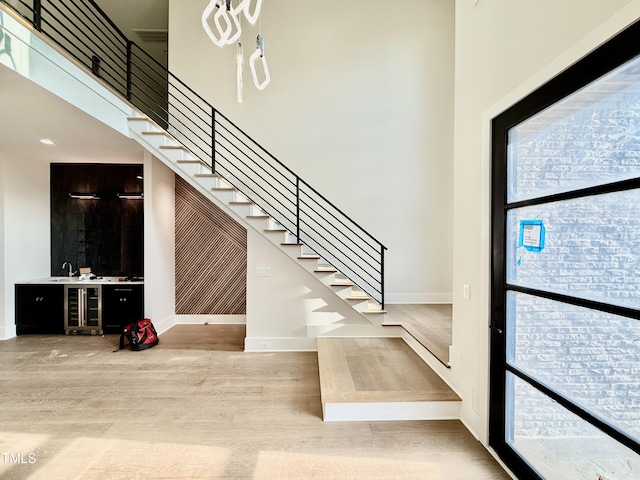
211	257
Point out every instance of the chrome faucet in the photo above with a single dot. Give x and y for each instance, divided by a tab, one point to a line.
68	264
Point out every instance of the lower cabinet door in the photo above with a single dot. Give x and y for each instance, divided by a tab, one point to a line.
121	305
39	309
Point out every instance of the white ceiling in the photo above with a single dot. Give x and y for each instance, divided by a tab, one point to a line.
28	113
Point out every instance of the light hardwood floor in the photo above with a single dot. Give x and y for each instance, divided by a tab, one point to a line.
197	407
430	324
377	370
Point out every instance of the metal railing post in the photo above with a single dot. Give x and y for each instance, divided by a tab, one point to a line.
129	69
37	15
298	209
382	249
213	140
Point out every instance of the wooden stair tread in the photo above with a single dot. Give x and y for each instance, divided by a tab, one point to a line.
359	297
258	217
326	270
173	147
157	133
377	370
429	325
192	160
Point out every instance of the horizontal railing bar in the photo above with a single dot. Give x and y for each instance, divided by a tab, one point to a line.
80	60
339	220
338	250
91	42
305	183
355	251
16	9
267	172
203	109
206	128
260	156
243	163
108	19
343	214
363	284
252	198
133	94
67	49
169	74
110	33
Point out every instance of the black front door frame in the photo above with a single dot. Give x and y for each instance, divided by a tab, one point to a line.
615	52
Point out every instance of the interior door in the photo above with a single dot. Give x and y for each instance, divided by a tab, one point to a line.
565	326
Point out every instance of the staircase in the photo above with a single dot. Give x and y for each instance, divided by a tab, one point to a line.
364	378
219	190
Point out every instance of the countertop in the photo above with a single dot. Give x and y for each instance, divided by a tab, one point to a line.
77	281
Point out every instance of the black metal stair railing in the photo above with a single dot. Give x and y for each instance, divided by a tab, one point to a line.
86	33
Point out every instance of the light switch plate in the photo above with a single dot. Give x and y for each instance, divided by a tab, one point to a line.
263	271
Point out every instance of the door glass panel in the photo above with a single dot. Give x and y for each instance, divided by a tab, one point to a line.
559	444
585	247
589	357
589	138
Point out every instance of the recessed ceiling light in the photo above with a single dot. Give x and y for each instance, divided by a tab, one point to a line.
47	141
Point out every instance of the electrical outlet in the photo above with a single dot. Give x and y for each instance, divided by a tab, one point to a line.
466	291
263	345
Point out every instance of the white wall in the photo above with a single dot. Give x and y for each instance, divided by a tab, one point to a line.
504	50
283	304
26	233
360	105
159	243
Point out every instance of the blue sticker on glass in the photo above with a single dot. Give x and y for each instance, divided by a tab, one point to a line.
531	235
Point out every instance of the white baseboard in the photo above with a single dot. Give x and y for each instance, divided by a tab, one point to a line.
392	411
365	331
211	319
164	324
280	344
7	332
417	298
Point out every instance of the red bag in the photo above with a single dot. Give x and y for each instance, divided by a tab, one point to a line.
141	335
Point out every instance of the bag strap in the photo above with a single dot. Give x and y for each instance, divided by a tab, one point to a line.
122	337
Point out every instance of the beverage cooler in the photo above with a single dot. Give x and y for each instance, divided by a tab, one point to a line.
82	310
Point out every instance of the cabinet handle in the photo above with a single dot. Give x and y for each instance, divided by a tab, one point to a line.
122	289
